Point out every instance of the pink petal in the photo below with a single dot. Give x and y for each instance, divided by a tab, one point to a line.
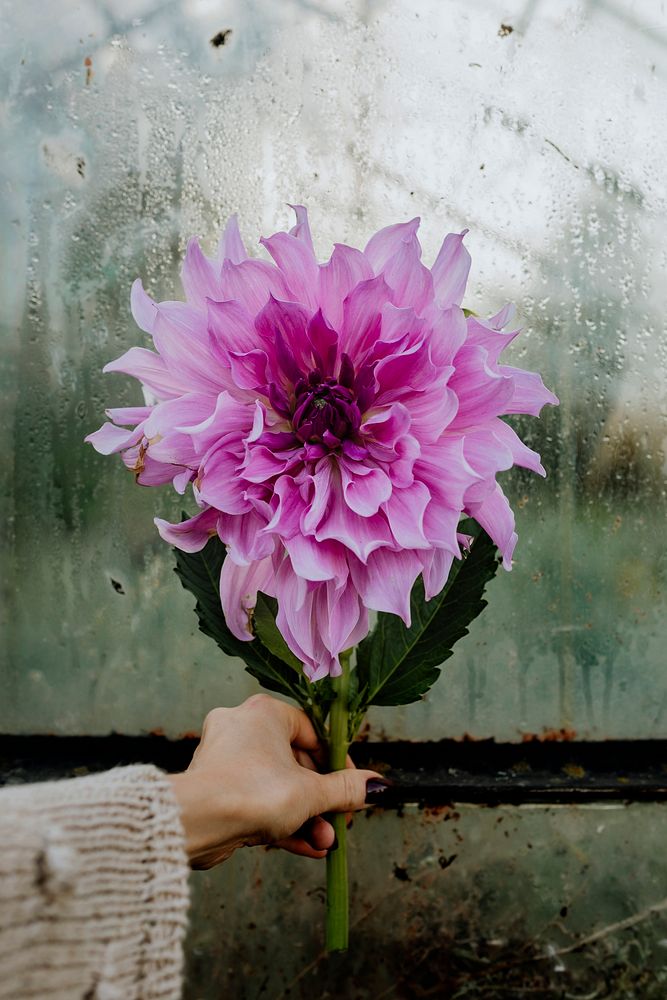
191	535
128	414
384	244
404	511
449	332
238	593
243	536
150	472
288	508
301	231
385	582
199	275
189	409
317	560
297	264
296	620
284	326
521	454
109	439
530	393
407	450
482	393
220	484
485	335
323	340
400	326
230	422
387	425
231	245
362	320
399	374
329	517
322	483
182	338
251	283
230	327
343	272
166	442
262	464
249	371
447	491
446	454
410	282
431	412
437	565
181	480
450	270
144	310
151	371
364	489
340	616
495	516
497	447
485	452
505	316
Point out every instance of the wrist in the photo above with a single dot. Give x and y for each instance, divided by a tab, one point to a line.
212	825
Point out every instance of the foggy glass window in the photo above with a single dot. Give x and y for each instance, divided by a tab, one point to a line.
130	125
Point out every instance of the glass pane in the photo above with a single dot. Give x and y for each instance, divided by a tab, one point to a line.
538	126
467	903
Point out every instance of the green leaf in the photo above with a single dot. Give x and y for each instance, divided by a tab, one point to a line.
199	572
396	665
264	626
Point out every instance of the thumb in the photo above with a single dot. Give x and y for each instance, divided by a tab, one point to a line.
343	791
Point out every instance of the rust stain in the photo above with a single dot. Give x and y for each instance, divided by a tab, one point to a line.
189	734
444	810
550	736
364	733
158	731
88	63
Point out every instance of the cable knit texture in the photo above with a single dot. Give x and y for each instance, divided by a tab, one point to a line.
93	889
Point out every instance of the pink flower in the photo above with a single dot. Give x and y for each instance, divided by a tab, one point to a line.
335	420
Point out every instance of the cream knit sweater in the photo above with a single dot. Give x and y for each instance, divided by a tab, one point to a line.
93	888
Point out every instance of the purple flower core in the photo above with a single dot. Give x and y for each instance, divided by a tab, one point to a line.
325	410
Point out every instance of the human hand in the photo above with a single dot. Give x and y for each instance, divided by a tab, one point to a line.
254	780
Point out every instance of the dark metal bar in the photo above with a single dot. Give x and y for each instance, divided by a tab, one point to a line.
429	773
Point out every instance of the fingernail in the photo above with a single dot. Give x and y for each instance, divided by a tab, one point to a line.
374	786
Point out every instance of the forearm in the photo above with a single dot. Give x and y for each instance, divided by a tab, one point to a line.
93	887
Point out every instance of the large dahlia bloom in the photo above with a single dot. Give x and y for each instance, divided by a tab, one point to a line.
335	420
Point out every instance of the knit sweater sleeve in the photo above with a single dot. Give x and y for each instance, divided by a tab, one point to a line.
93	888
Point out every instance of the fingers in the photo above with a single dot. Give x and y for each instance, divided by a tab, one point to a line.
320	834
342	791
295	845
298	726
313	840
305	759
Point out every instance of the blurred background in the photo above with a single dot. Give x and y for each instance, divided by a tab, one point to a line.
130	125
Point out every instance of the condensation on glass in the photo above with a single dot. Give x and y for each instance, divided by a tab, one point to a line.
129	126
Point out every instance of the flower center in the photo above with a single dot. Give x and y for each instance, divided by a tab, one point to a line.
326	411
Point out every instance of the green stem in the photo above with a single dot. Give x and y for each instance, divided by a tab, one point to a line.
337	888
